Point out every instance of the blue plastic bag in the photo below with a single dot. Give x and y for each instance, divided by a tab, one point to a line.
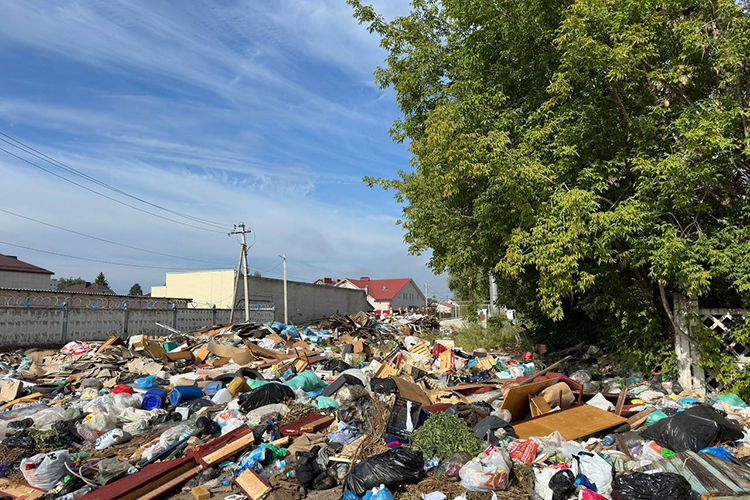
379	493
146	382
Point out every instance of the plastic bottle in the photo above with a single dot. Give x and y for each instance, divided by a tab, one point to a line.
182	393
222	396
213	387
87	433
608	440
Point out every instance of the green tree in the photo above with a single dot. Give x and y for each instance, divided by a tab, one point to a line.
593	154
64	283
256	274
136	290
101	280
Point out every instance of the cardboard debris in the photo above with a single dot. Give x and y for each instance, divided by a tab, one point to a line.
573	423
10	390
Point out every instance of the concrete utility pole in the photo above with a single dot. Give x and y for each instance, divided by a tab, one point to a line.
242	264
426	292
493	296
286	315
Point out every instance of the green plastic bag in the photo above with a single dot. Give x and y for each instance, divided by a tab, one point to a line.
307	381
655	416
254	384
323	402
732	400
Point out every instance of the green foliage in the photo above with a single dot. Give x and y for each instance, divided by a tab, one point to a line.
591	154
64	283
442	435
734	376
136	290
101	280
499	334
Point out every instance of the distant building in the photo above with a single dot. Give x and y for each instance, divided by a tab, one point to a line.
388	295
89	288
445	308
16	273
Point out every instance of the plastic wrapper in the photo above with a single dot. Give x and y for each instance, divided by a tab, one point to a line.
109	438
543	477
451	466
45	470
595	468
523	450
693	429
489	471
307	381
391	469
659	486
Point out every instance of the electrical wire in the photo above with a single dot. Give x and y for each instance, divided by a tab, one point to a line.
101	261
109	197
38	154
110	241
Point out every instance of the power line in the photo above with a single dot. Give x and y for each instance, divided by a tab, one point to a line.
38	154
109	241
109	197
99	261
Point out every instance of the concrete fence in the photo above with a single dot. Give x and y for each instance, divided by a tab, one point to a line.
42	326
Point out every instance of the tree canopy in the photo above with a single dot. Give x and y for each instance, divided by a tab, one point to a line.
63	283
136	290
593	154
101	280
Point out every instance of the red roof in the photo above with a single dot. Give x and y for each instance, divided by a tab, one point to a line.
11	263
381	290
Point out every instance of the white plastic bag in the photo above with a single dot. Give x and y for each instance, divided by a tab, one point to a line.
45	470
596	469
599	401
542	477
109	438
489	471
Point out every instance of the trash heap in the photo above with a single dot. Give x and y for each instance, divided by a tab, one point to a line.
355	407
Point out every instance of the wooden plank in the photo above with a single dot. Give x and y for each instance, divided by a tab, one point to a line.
674	464
252	485
25	399
230	449
738	475
621	445
621	401
723	478
573	423
640	417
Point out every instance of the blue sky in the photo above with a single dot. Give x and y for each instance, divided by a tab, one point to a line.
256	111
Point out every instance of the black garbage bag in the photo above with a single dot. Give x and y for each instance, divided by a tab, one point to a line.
659	486
485	429
307	469
20	439
21	424
562	485
67	429
196	404
335	365
265	395
383	386
693	429
392	468
208	426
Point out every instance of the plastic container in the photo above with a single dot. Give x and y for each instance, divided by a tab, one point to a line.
222	396
213	387
154	398
184	393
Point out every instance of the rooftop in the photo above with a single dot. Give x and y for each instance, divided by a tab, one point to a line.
11	263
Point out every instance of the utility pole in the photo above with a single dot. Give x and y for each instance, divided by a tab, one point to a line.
240	229
286	315
426	293
493	295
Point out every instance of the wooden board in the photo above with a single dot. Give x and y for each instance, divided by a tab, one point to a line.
420	348
252	485
517	399
573	423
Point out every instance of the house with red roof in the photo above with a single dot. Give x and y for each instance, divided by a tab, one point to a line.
388	295
15	273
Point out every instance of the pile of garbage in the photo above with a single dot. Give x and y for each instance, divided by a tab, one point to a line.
355	407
